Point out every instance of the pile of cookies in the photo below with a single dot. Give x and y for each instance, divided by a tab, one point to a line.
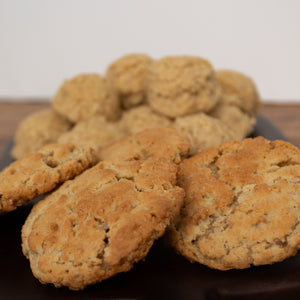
137	93
123	172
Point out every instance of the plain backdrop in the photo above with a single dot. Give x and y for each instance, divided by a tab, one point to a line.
44	42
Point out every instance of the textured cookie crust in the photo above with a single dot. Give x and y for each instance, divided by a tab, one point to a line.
84	96
142	117
242	204
203	131
37	130
96	132
241	123
40	172
165	142
102	222
239	90
128	76
181	85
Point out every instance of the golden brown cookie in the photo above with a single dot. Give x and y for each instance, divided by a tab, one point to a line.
203	131
241	206
103	221
241	123
165	142
128	76
142	117
181	85
86	95
96	132
239	90
37	130
41	171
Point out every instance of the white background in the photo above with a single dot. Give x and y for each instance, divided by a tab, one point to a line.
43	42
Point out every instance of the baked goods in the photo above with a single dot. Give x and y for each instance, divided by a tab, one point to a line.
241	206
84	96
142	117
203	131
37	130
165	142
240	123
239	90
105	220
96	132
40	172
128	77
182	85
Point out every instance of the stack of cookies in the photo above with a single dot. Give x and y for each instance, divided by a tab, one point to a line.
137	93
155	148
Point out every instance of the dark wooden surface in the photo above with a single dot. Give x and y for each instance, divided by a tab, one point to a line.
285	117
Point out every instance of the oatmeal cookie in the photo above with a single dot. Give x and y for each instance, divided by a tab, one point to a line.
84	96
241	123
239	90
96	132
37	130
142	117
128	76
181	85
241	206
40	172
103	221
203	131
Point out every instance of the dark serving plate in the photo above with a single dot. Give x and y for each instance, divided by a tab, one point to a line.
162	275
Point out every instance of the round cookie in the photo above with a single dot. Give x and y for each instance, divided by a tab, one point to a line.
84	96
239	90
181	85
241	206
41	171
128	76
203	131
166	142
103	221
142	117
37	130
241	123
95	132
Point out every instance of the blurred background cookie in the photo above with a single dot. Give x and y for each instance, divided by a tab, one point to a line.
181	85
203	131
95	132
142	117
37	130
127	75
84	96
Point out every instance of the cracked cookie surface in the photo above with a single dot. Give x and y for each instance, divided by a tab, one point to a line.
242	204
181	85
103	221
41	171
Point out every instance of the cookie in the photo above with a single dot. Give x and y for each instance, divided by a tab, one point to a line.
241	123
128	76
182	85
239	90
37	130
142	117
40	172
103	221
84	96
95	132
203	131
241	206
166	142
